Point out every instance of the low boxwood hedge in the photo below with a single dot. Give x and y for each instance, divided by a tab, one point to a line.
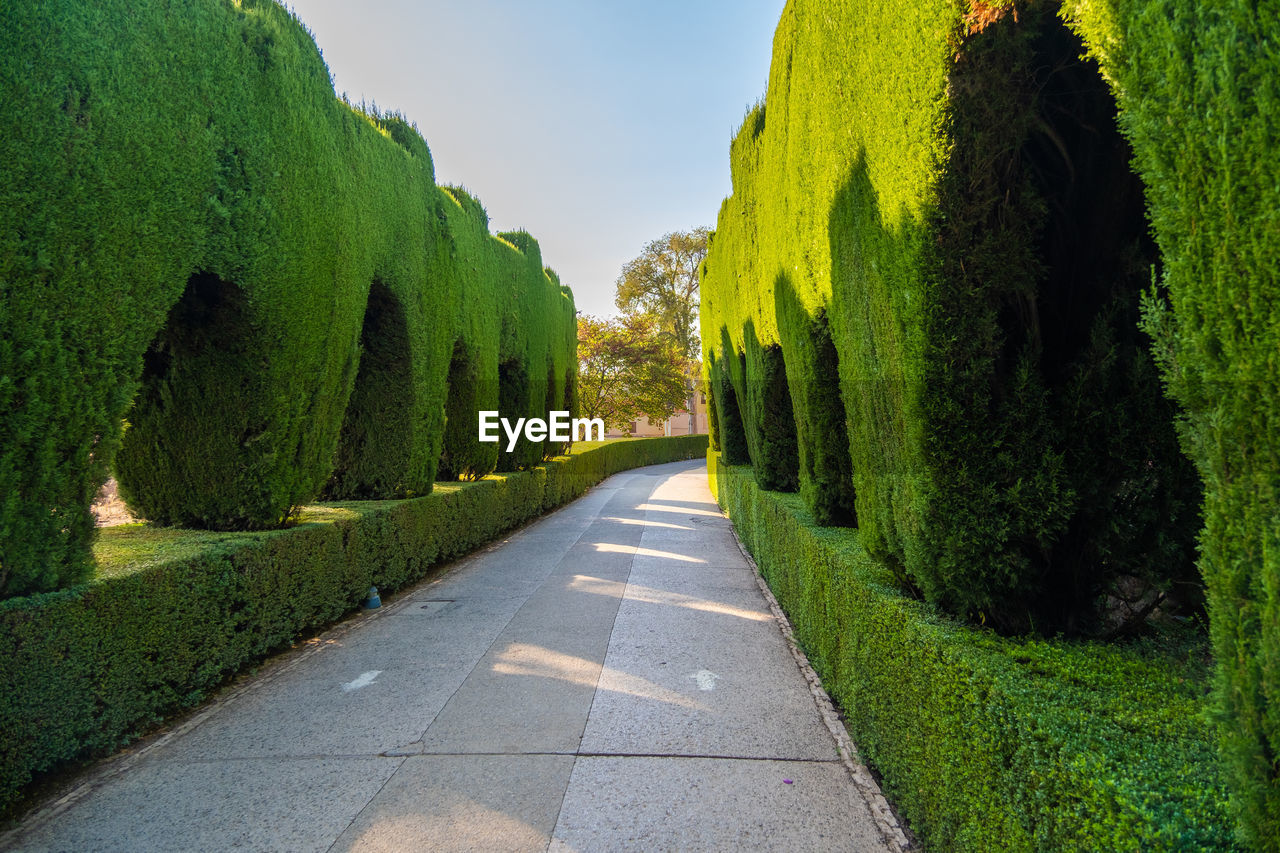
171	614
985	742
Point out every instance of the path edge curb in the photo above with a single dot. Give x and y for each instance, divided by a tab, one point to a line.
890	828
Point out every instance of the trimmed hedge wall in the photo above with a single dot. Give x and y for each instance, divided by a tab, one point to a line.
946	182
533	344
1199	91
516	330
986	743
934	219
87	669
197	236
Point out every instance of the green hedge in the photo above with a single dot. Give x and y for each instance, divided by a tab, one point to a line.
87	669
942	189
197	237
1199	91
986	743
945	180
83	295
534	353
473	371
395	252
516	345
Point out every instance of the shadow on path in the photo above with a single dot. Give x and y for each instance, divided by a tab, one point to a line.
608	678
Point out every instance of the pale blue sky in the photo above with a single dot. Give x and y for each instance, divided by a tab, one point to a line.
596	126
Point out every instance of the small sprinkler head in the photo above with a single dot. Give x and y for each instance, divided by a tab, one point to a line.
372	601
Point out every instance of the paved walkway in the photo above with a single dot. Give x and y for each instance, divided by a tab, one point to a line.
608	678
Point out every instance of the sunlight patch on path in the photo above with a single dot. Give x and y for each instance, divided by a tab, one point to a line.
609	548
640	523
649	595
540	662
679	510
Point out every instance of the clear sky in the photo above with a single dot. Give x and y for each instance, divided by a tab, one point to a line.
596	125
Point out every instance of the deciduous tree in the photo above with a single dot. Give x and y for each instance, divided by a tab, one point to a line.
663	284
627	370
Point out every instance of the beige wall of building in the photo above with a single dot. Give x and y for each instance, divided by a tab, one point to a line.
679	424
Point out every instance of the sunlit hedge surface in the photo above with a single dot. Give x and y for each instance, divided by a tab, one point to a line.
935	250
262	284
961	226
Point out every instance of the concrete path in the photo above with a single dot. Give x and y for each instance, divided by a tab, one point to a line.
608	678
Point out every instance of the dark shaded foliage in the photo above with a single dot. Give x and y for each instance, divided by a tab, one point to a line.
974	347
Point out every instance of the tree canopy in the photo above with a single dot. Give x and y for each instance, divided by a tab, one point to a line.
627	370
662	283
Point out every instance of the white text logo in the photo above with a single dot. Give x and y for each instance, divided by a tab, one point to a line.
559	428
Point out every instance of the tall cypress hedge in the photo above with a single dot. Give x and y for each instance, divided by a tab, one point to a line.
202	243
242	397
946	184
1199	92
562	357
473	372
534	302
935	222
394	420
111	185
516	345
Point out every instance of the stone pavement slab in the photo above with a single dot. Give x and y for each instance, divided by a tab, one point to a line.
723	656
306	711
464	803
610	677
647	804
251	805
